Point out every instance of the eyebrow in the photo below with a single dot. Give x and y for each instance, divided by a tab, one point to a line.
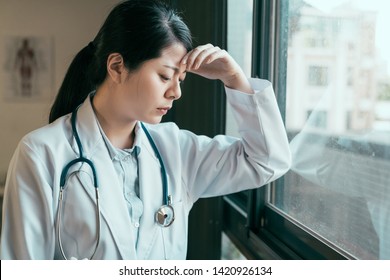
174	68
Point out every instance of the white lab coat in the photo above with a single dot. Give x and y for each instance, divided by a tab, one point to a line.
197	166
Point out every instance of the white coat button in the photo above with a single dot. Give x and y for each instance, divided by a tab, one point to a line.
136	224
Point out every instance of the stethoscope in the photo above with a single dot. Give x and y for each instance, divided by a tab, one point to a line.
164	216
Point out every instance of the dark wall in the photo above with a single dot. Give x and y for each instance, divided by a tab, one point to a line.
202	110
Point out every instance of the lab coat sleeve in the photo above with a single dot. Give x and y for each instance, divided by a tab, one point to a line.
224	164
28	231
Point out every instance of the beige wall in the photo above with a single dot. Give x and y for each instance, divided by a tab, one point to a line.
71	24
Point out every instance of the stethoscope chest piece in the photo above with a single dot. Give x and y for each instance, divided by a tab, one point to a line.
165	215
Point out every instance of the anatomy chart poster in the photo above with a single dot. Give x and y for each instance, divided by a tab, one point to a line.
27	68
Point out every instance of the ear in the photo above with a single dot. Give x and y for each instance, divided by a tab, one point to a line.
115	67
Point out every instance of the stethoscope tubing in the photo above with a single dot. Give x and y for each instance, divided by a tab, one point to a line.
59	218
64	173
164	216
163	171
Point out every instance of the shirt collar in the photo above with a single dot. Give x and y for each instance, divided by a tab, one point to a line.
116	153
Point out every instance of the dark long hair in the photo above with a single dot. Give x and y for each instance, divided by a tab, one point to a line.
137	29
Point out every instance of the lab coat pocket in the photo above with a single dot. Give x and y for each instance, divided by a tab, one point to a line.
175	236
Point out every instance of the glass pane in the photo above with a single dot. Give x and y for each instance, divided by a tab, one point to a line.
338	120
239	44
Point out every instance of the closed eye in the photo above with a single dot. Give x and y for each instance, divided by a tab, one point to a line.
165	78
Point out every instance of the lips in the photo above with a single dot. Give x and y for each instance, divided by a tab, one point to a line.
163	110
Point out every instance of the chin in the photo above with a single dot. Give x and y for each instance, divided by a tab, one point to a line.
152	121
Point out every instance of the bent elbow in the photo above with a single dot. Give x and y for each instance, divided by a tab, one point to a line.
279	165
286	162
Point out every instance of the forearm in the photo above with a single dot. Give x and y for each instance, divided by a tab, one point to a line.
261	126
239	82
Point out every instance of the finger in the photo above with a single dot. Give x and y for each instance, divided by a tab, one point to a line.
217	54
204	56
191	56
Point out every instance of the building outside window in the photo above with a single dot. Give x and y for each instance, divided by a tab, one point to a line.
318	76
332	79
338	189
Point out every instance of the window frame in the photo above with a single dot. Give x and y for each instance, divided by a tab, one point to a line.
258	229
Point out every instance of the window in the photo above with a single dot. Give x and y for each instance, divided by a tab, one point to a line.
339	186
239	44
329	62
318	76
317	118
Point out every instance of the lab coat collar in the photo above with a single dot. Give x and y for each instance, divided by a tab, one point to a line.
114	210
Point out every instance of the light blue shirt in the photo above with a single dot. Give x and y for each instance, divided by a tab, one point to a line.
126	166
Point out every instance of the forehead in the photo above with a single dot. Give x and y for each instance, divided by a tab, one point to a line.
173	54
176	49
170	59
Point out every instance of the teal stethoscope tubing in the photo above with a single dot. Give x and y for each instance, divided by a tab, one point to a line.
164	213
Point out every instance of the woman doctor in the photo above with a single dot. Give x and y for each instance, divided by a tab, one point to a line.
105	180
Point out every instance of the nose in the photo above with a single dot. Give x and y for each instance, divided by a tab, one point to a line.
174	92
